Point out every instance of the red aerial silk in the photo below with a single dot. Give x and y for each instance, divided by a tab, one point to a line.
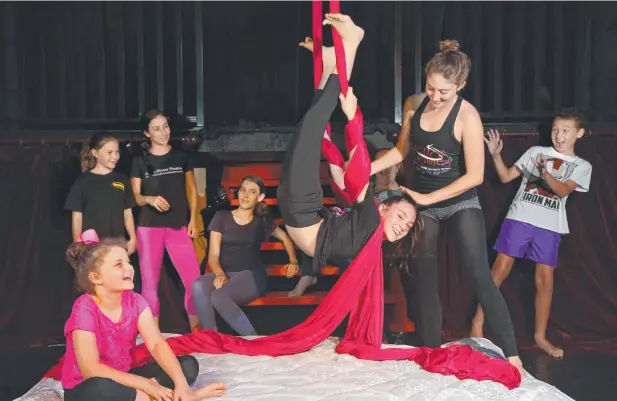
358	293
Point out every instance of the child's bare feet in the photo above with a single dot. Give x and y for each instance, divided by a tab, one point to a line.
210	391
351	34
547	347
304	283
345	27
327	54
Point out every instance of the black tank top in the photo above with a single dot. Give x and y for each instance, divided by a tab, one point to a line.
438	156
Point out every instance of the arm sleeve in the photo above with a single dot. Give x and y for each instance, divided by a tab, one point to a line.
75	200
523	160
218	222
582	177
83	317
138	168
187	163
129	197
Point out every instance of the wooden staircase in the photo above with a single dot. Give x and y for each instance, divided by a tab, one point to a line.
270	173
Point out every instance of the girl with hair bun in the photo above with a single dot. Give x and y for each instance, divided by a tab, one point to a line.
443	135
102	330
238	274
101	199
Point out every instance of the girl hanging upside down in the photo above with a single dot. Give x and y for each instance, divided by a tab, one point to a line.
300	195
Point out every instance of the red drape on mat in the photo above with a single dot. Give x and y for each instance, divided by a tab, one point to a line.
359	292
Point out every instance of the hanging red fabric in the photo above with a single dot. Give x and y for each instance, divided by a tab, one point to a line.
358	293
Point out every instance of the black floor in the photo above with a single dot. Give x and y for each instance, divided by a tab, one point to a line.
584	377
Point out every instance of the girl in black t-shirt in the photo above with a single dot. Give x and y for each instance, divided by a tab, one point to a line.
100	198
164	186
238	274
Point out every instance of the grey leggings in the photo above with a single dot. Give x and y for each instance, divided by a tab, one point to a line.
240	289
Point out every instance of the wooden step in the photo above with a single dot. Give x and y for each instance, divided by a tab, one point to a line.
272	246
281	271
270	173
281	298
274	201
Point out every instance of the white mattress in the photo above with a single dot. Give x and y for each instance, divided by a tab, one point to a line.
321	374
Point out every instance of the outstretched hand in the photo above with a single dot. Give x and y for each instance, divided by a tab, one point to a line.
494	142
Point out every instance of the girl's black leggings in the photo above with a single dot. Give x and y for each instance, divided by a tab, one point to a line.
102	389
300	195
467	225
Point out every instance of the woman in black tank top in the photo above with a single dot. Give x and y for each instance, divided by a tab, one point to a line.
446	148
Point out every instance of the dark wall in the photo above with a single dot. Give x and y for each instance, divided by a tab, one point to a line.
222	62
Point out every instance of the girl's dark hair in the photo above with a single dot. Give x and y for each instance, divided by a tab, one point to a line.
96	141
450	62
86	258
261	209
404	249
146	143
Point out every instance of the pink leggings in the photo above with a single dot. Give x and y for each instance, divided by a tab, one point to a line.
151	244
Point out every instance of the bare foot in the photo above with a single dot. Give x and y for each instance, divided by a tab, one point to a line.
517	363
304	283
547	347
477	330
351	34
343	24
327	53
210	391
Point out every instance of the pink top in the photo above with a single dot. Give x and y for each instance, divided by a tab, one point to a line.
114	340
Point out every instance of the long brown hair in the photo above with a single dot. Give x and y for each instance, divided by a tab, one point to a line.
96	141
403	250
146	143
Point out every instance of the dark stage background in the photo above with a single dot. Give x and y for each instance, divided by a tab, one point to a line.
69	68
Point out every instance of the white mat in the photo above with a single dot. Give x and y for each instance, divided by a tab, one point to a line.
321	374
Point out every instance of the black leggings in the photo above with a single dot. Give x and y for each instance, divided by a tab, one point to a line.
467	226
101	389
300	195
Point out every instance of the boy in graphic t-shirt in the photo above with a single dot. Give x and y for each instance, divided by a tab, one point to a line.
537	217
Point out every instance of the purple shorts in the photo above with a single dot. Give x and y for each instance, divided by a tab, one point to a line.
522	240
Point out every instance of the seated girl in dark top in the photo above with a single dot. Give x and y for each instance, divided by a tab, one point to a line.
238	273
316	232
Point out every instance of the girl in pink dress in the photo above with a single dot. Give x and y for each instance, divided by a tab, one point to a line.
102	330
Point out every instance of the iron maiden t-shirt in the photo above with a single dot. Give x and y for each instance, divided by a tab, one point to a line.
167	178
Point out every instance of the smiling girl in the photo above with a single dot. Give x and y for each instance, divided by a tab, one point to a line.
164	186
102	330
101	199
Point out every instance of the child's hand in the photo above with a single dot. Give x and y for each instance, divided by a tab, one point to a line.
540	164
494	142
183	393
156	391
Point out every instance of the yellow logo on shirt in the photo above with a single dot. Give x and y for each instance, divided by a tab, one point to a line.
118	185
